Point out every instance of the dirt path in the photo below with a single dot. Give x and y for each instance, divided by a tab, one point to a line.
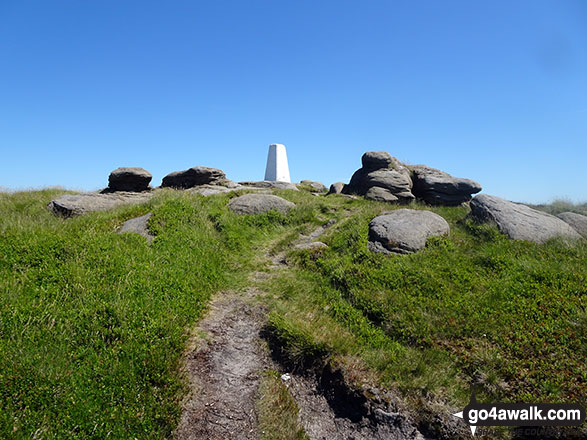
225	369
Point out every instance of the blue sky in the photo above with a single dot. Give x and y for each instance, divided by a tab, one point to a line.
491	90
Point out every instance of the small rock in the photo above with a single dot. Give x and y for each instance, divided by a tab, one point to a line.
311	245
317	186
520	222
195	176
577	221
404	231
129	179
138	225
249	204
336	188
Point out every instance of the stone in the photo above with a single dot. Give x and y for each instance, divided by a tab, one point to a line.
311	245
138	225
439	188
382	170
195	176
270	184
277	169
577	221
336	188
316	186
70	205
404	231
249	204
129	179
520	222
379	194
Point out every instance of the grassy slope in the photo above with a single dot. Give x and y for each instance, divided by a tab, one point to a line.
92	323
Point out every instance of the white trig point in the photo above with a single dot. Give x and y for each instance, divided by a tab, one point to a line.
277	169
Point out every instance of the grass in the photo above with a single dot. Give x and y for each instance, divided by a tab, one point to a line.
277	410
93	323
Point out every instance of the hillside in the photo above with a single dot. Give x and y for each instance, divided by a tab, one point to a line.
96	327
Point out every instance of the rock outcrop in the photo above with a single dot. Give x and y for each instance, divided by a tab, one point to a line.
129	179
520	222
195	176
404	231
383	171
249	204
439	188
577	221
70	205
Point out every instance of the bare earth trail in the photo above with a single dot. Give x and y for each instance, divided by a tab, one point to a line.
226	366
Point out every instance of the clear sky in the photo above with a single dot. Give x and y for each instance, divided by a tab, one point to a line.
491	90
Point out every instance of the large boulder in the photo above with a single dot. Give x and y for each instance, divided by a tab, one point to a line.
195	176
129	179
404	231
520	222
439	188
249	204
577	221
380	195
381	170
70	205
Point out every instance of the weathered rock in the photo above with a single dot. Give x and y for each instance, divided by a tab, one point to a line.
404	231
129	179
316	186
70	205
270	184
336	188
195	176
375	160
577	221
249	204
520	222
138	225
380	195
311	245
439	188
380	169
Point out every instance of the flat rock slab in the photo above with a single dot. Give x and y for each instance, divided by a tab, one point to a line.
249	204
70	205
129	179
138	225
404	231
270	184
310	246
577	221
520	222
